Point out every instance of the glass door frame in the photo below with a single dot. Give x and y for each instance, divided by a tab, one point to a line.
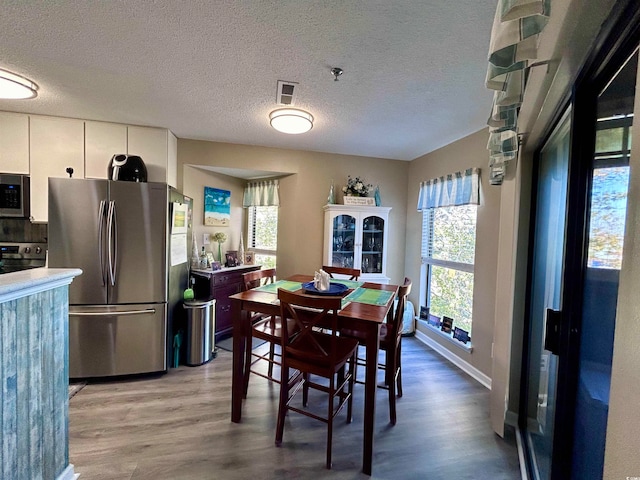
619	37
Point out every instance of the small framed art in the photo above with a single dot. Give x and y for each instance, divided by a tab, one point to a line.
231	258
460	334
447	324
249	258
434	321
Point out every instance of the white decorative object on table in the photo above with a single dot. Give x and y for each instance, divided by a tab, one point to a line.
321	281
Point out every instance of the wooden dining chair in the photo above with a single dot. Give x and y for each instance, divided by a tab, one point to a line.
390	340
352	273
313	352
265	327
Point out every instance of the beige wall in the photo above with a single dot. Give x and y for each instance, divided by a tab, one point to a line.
194	182
469	152
303	193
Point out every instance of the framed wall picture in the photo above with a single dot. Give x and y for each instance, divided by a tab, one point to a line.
249	258
217	207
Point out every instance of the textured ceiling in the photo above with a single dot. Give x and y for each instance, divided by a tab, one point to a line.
413	70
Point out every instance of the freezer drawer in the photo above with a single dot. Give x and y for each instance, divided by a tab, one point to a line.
117	340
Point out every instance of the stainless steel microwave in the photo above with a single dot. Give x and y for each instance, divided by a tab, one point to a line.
14	196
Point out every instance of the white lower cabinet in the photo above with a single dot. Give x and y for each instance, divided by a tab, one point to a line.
14	143
56	144
356	237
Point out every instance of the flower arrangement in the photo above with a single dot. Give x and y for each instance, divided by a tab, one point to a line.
219	237
356	187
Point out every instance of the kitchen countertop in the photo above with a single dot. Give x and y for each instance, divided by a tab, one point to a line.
27	282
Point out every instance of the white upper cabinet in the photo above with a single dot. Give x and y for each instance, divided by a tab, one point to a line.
102	141
56	144
43	147
14	143
156	146
172	166
152	144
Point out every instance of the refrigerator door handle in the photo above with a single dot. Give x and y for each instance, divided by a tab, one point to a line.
118	313
101	256
115	243
111	243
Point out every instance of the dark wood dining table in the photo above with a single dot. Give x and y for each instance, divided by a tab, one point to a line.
363	317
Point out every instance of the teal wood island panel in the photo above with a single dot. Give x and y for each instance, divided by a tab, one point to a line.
34	373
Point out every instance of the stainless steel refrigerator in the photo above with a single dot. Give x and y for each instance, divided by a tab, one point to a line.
122	305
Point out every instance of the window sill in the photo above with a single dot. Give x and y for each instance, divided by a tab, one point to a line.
467	347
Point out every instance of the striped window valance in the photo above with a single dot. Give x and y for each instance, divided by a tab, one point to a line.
261	194
460	188
514	44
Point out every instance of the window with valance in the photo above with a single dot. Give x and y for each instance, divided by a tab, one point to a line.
262	200
449	210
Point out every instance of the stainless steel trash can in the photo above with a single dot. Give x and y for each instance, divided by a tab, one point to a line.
200	331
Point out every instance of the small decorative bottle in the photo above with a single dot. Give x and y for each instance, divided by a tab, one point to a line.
203	259
376	195
331	199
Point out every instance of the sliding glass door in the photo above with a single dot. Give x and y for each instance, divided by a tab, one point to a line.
545	300
580	199
609	183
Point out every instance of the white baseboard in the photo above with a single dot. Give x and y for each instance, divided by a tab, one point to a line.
466	367
68	473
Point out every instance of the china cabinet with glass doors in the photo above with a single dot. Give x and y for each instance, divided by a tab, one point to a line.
356	237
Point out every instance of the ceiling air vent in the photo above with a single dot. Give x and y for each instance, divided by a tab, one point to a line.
286	94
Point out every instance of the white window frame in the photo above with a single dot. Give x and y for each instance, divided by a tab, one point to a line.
251	239
428	217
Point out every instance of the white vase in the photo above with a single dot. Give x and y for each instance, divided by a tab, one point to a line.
241	251
195	259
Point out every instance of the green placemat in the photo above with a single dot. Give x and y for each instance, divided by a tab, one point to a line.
371	296
352	284
284	284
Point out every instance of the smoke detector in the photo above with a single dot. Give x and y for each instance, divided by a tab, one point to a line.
336	72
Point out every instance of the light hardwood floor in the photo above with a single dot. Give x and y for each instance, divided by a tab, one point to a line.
177	426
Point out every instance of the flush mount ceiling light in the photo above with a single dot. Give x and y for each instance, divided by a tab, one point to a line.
15	87
291	120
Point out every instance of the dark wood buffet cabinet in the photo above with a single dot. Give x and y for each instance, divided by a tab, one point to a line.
219	285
